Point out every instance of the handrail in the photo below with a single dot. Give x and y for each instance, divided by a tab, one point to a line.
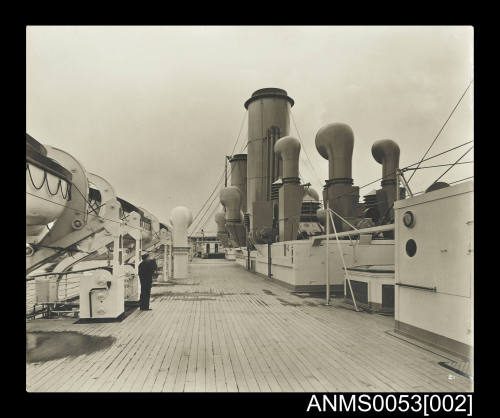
432	289
29	278
372	268
381	228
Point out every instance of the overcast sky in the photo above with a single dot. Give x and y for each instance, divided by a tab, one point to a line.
154	110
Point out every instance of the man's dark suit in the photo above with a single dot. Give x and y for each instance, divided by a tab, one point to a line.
146	270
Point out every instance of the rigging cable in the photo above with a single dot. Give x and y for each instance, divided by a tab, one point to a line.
222	175
196	228
449	183
456	162
442	127
438	165
211	194
405	168
304	148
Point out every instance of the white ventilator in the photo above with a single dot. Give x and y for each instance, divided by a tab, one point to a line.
181	218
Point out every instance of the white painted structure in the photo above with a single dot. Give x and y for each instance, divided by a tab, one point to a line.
434	295
378	281
180	218
101	295
231	253
300	265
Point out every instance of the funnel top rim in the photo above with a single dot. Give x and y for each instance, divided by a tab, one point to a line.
238	157
269	92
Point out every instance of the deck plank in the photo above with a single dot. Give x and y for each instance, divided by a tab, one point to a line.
45	381
175	319
226	329
181	318
176	379
210	371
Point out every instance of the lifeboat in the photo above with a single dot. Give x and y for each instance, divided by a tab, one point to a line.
48	189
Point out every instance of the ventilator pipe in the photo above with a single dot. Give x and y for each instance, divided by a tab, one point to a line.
321	216
239	176
335	143
230	197
313	194
386	152
181	218
288	148
220	220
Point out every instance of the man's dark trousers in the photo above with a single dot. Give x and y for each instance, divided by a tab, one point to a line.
145	291
146	271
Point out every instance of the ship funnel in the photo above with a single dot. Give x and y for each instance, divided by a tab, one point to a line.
386	152
335	142
268	121
288	148
230	197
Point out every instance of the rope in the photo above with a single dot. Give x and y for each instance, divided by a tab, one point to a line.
45	180
32	181
442	127
439	165
209	217
457	181
195	228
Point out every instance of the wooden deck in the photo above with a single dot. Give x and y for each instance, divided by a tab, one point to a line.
226	329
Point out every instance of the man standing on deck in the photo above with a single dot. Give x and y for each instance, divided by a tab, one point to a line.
146	270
